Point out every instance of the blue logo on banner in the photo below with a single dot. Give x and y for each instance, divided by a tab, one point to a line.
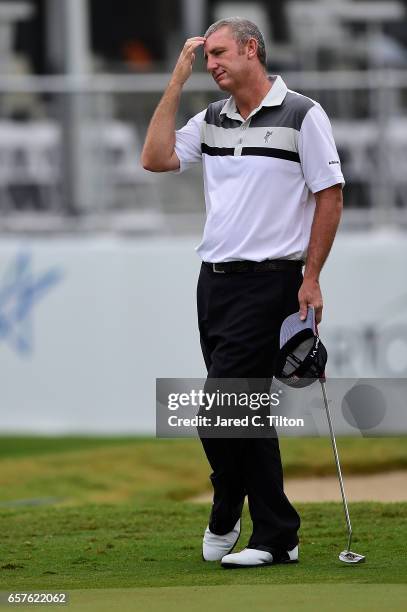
20	291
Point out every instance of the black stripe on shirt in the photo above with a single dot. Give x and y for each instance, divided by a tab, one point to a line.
216	150
260	151
269	152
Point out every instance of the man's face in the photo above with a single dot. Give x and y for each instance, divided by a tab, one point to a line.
227	63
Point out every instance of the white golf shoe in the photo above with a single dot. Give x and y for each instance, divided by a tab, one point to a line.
214	547
251	557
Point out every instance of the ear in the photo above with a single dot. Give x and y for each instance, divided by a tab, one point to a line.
252	48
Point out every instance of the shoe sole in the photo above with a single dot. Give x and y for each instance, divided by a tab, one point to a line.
236	566
228	553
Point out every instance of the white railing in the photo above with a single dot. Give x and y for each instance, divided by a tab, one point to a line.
199	82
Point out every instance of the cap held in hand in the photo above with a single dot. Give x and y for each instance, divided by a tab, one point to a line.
302	357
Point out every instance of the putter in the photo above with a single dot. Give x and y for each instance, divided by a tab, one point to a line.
346	556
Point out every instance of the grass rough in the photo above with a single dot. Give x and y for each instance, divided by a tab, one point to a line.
114	470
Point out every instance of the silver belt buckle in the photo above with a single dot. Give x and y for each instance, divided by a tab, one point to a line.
217	271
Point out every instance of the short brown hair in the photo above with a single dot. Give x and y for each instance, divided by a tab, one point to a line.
242	30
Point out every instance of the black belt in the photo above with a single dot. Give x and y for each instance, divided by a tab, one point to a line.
269	265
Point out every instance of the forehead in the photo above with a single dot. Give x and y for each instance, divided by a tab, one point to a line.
221	37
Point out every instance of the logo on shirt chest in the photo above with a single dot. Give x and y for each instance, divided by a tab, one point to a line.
267	136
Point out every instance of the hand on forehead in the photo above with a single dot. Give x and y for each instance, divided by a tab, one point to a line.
218	37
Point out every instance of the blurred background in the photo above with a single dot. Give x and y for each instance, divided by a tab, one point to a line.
97	263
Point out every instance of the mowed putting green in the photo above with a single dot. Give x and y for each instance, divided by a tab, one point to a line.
107	521
159	544
276	597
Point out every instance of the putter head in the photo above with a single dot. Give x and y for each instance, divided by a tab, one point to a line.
347	556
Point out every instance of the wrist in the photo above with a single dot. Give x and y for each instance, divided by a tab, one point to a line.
311	277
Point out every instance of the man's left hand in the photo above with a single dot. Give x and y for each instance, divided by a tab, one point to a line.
310	295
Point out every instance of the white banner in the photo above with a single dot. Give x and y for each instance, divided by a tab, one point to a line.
87	325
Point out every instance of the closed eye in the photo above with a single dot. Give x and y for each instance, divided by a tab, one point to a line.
215	52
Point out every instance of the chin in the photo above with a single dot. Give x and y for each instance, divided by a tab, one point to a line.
223	85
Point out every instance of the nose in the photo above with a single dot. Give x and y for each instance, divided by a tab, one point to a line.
211	64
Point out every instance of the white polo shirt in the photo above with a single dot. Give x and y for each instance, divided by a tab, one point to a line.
260	174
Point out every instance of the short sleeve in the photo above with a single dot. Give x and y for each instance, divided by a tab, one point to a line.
188	142
319	157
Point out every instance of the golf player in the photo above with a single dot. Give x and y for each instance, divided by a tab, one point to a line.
273	192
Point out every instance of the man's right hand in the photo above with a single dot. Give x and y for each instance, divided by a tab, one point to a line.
159	153
183	67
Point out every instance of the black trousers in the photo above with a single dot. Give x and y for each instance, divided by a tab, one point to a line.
239	316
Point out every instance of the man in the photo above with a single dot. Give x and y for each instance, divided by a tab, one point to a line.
273	191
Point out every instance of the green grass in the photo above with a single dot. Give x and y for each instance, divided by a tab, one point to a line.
265	597
157	545
114	470
118	527
23	446
276	597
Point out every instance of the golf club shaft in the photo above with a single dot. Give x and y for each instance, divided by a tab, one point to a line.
338	466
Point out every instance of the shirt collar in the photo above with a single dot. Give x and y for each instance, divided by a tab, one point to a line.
274	97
